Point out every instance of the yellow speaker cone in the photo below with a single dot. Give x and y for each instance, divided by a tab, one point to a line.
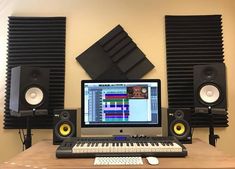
65	129
179	128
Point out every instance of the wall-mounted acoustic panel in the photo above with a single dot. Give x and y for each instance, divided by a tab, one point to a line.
115	56
37	42
190	41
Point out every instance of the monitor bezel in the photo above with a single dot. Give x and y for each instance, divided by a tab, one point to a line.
159	124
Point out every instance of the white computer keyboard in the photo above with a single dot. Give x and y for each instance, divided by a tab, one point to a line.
118	161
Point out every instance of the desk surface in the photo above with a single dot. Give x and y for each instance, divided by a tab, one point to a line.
42	156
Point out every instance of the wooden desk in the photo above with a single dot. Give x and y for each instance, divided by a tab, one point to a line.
42	156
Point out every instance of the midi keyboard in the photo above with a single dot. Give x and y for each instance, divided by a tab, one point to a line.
85	147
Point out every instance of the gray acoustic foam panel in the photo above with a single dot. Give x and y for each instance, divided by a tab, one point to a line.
115	56
39	42
192	40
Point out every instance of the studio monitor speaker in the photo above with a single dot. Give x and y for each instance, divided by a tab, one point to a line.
179	124
209	87
64	125
29	91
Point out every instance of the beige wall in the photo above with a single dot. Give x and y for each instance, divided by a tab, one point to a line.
88	20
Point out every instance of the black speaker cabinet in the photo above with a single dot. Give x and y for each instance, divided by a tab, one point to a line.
64	125
29	91
209	87
179	124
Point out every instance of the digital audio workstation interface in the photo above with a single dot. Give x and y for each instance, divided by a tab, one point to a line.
114	103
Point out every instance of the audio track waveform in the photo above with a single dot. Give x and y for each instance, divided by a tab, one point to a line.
116	107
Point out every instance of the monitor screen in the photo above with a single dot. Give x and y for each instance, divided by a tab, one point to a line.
132	103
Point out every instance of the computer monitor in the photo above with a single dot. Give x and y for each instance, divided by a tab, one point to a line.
123	107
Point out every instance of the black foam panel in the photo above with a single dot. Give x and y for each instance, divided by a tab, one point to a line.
191	40
115	56
203	120
39	42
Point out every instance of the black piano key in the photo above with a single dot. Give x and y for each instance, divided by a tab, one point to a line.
78	143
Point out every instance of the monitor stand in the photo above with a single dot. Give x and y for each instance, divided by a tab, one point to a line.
212	136
28	138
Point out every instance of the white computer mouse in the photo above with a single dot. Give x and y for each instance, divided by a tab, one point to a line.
152	160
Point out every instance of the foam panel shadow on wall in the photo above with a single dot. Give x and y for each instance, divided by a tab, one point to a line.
191	40
38	42
115	56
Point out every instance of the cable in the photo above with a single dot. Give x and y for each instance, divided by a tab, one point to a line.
21	139
192	130
23	133
26	139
